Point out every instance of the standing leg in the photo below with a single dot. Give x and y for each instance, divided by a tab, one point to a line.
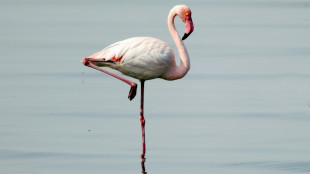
142	121
133	89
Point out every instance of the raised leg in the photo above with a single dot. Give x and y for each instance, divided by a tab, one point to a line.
133	89
142	121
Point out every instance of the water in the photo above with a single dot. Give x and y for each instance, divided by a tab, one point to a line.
244	106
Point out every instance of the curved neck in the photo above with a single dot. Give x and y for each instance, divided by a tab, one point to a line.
177	72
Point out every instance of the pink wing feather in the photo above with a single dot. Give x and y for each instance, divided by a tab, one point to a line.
110	53
139	57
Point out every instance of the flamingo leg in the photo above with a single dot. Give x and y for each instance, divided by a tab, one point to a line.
142	121
133	89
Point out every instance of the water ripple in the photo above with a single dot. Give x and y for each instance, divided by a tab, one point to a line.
15	154
296	166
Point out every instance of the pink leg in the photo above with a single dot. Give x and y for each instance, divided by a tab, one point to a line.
142	121
133	89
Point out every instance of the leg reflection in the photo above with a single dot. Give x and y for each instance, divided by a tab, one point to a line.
142	163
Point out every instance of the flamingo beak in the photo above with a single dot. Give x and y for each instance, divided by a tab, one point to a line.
189	27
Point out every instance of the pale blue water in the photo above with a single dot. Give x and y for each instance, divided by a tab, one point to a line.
244	107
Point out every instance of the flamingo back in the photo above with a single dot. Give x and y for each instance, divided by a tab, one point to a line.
142	58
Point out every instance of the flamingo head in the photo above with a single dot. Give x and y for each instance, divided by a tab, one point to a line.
185	15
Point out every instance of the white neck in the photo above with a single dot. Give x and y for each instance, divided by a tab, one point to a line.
177	72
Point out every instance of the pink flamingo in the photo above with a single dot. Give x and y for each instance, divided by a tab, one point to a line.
146	58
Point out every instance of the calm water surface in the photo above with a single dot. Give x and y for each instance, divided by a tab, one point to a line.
244	107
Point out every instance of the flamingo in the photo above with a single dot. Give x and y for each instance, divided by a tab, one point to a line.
146	58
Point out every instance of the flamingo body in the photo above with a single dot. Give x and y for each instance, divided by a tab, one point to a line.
143	58
146	58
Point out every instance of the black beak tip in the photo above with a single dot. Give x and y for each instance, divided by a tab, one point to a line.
185	36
